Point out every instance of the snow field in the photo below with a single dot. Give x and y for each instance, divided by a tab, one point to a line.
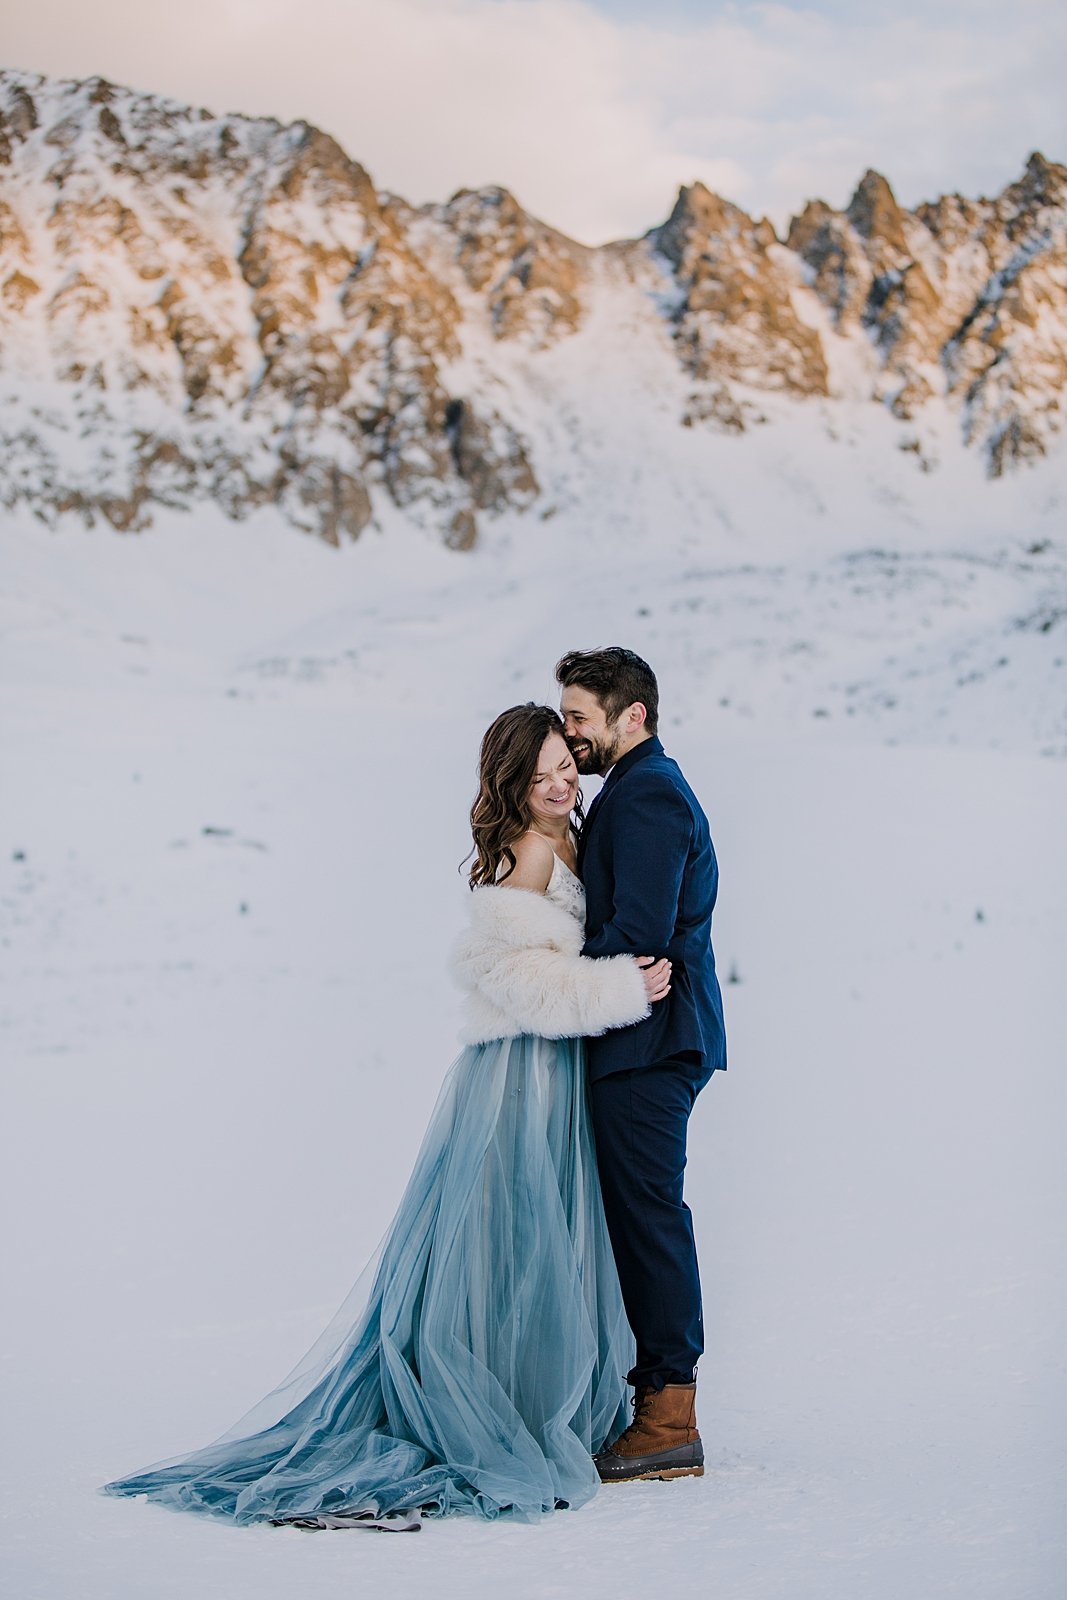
211	1111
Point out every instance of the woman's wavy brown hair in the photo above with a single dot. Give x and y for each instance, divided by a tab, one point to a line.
507	768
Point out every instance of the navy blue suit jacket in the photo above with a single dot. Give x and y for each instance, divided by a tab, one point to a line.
647	861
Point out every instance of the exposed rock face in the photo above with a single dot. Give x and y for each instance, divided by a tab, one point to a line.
735	317
531	276
960	297
201	308
1007	356
487	459
233	314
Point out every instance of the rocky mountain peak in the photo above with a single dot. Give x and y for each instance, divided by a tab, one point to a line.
948	294
531	275
734	315
696	210
874	213
493	200
320	169
1047	173
1043	183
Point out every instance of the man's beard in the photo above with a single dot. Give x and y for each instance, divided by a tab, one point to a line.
598	757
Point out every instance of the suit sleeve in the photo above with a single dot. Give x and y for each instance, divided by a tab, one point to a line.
650	842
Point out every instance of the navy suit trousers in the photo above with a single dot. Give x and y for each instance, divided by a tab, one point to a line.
640	1118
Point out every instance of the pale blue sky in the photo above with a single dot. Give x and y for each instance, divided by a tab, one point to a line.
858	13
594	111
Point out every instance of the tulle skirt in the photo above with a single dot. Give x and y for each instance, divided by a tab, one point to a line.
479	1363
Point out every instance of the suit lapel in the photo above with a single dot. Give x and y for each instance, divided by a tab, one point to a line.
646	748
586	825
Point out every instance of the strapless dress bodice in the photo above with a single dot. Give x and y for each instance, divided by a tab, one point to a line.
565	890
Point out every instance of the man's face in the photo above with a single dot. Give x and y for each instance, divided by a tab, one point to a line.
594	741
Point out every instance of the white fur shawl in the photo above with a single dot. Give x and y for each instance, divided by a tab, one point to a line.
521	964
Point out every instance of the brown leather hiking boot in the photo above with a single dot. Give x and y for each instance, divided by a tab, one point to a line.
661	1442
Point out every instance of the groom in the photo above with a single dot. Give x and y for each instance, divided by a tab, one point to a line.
648	865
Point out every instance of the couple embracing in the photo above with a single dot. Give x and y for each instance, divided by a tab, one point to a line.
542	1258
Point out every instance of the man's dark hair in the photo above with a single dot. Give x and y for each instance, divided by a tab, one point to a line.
617	677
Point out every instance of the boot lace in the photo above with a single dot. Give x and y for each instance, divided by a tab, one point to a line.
641	1400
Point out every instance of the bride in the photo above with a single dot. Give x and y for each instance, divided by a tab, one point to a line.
483	1367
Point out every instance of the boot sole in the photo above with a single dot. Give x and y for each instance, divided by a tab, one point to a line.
660	1472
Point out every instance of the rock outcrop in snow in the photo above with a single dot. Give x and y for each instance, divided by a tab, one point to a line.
960	297
735	317
200	307
224	308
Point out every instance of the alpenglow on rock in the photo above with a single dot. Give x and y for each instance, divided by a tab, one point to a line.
197	308
966	298
218	307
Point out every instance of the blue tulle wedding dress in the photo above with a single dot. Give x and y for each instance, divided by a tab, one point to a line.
484	1365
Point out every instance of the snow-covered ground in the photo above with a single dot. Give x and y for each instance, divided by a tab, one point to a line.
236	770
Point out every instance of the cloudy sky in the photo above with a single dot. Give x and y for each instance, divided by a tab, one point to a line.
594	111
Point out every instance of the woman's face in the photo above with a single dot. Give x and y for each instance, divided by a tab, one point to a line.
554	789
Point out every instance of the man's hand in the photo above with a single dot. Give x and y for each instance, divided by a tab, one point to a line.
657	977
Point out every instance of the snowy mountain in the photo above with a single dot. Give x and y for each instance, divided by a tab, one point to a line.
806	481
199	308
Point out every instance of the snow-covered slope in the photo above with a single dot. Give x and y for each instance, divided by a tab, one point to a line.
233	756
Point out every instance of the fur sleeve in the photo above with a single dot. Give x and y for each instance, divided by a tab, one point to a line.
562	996
522	954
